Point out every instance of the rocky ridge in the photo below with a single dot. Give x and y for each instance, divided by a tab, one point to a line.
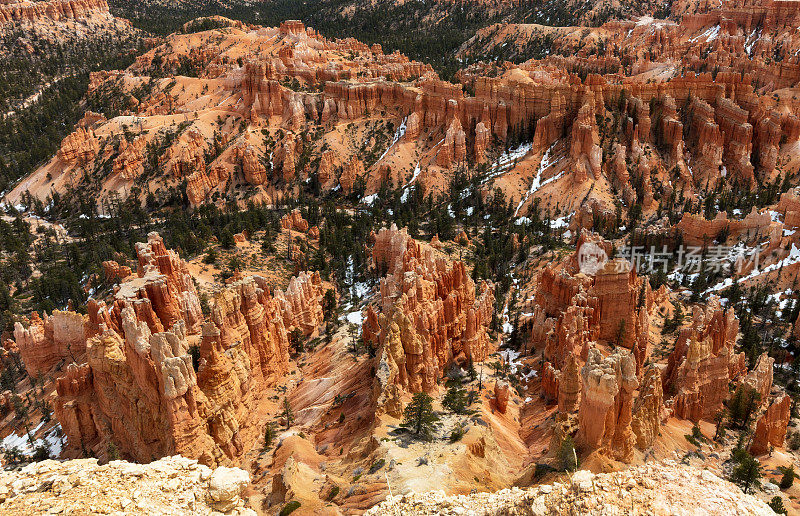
679	130
663	488
171	485
53	10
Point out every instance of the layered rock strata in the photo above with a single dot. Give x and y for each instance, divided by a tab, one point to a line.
159	378
430	315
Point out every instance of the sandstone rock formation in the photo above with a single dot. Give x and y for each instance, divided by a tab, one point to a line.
570	95
569	386
760	378
636	114
549	382
697	231
585	151
623	308
647	409
735	128
572	308
431	314
771	426
501	394
186	156
703	363
481	142
163	293
54	10
254	171
353	169
294	220
412	127
201	182
453	148
46	342
607	391
79	147
129	164
325	172
114	271
140	388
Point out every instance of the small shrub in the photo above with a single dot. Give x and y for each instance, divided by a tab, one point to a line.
788	476
113	452
41	453
541	469
333	493
794	441
210	257
13	455
269	435
378	464
776	504
289	508
692	440
457	434
455	399
567	457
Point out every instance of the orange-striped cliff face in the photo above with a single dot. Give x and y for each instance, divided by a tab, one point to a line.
56	10
125	378
644	111
430	315
673	106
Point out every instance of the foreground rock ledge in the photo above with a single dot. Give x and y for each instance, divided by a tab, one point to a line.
664	488
172	485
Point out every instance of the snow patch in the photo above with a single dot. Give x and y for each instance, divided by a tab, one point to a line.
537	181
406	188
356	318
397	135
26	444
507	160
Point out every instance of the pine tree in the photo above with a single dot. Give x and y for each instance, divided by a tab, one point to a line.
642	297
719	419
788	476
747	470
419	415
329	304
776	504
620	337
455	399
352	330
226	239
287	413
269	435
